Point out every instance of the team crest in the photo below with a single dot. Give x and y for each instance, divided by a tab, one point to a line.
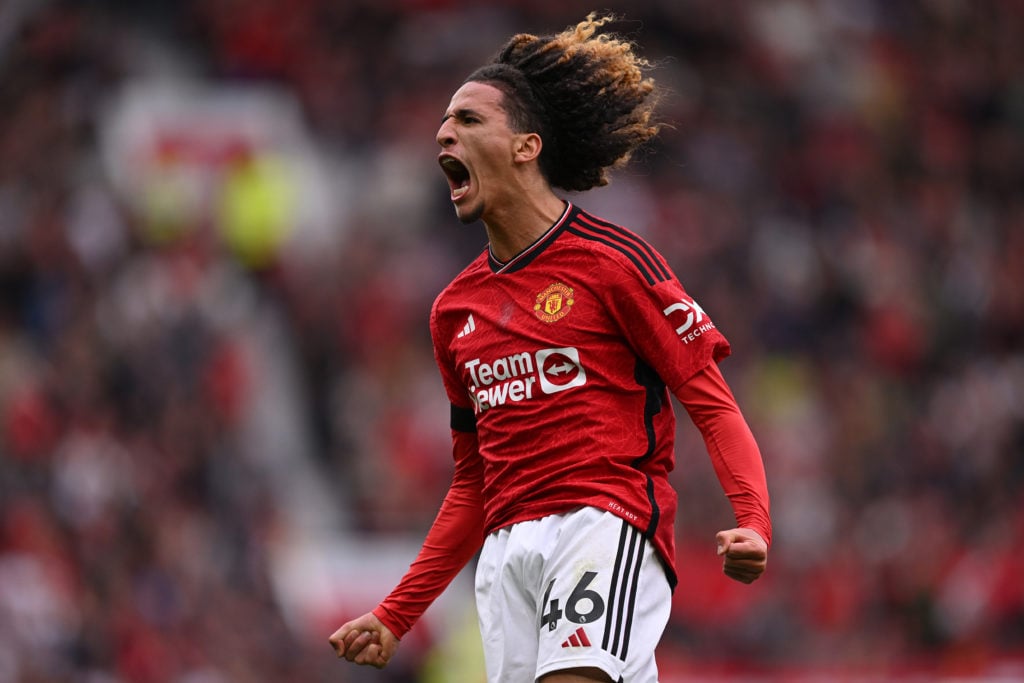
553	303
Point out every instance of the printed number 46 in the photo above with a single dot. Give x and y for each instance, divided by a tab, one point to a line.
572	606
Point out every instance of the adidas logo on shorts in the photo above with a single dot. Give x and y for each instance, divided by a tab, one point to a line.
578	639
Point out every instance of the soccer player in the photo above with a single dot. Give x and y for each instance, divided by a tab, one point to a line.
558	347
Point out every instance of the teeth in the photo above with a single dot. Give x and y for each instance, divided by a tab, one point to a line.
458	192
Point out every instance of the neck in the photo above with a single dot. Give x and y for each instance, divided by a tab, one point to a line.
511	231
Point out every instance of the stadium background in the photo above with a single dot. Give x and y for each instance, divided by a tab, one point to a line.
221	229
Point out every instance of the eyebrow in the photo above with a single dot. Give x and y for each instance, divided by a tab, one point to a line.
461	113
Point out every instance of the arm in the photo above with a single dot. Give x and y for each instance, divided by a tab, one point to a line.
453	539
672	332
738	465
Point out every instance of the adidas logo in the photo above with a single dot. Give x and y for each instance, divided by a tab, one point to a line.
470	326
578	639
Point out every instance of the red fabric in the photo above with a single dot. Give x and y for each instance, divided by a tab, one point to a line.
453	539
731	445
565	354
562	360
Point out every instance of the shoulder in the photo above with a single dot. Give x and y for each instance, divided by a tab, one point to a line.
455	294
611	242
470	274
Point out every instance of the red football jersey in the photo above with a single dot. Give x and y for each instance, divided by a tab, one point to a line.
561	360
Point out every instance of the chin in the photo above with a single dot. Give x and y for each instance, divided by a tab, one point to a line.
469	214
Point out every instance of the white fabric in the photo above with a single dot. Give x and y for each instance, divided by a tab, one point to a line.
545	597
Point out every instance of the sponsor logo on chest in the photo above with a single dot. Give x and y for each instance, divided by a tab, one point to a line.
523	376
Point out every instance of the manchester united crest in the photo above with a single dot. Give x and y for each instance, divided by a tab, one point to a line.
554	302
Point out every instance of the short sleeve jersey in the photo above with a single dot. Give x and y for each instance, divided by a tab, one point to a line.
561	360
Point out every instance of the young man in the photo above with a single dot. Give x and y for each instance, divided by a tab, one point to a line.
558	347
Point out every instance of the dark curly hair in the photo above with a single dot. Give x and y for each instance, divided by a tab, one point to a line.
583	92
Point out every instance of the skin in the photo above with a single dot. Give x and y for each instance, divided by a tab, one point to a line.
507	191
510	195
744	554
365	640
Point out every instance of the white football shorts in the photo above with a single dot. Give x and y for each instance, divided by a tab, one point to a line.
580	589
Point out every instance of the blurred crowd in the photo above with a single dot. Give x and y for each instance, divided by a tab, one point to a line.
841	185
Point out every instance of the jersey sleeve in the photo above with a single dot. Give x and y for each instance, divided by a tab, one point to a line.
456	392
457	532
674	335
453	539
731	446
668	329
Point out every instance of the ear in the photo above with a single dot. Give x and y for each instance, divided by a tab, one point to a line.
526	147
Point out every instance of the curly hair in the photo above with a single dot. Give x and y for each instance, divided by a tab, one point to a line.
584	92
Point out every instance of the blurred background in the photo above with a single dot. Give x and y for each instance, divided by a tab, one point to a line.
221	229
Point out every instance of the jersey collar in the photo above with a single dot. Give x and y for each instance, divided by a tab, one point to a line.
523	258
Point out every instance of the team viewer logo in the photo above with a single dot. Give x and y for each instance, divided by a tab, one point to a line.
517	377
554	302
560	369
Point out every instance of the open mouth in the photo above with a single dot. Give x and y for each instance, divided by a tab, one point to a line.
457	174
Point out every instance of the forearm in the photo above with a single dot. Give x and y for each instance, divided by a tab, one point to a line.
731	445
453	539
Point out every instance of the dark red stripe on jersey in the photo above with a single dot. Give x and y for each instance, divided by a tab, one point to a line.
648	378
656	258
632	257
643	256
653	525
463	419
654	400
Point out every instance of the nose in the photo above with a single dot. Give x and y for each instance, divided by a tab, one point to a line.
445	135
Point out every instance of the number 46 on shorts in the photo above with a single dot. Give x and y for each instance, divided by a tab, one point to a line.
581	598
